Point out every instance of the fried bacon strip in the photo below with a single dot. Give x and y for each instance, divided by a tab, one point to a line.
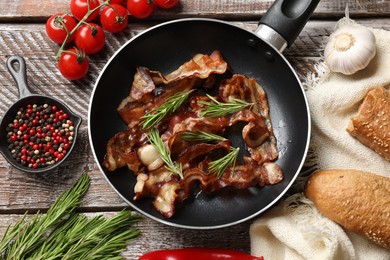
201	66
167	189
258	134
120	150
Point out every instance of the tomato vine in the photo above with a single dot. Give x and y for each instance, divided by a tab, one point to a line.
89	37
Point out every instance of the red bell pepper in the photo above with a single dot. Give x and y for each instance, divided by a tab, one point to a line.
194	253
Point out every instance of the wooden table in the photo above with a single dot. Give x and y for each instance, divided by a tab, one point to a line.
22	32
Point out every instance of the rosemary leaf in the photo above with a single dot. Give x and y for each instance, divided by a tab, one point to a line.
202	136
11	233
216	108
155	139
157	114
218	167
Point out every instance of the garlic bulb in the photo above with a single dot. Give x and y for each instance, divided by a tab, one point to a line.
350	49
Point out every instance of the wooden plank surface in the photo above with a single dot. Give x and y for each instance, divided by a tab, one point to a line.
25	10
20	191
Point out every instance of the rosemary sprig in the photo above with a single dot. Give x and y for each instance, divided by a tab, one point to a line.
154	116
64	234
218	167
155	139
202	136
215	108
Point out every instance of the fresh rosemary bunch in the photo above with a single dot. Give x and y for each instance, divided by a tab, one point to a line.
155	139
61	233
218	167
215	108
157	114
202	136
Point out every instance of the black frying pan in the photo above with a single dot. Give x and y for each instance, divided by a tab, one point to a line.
165	47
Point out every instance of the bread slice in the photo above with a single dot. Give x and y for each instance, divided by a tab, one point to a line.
358	201
371	126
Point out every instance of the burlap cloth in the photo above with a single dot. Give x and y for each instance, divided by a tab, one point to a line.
294	229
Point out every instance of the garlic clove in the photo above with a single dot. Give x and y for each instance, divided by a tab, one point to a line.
150	157
350	49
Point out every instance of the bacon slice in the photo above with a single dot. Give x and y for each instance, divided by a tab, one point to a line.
258	134
144	82
255	133
201	66
148	184
120	150
166	198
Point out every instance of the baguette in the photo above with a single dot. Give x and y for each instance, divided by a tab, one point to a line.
371	126
358	201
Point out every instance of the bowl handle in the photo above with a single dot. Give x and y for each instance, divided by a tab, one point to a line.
19	73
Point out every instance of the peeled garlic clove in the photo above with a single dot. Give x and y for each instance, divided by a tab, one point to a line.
150	157
350	49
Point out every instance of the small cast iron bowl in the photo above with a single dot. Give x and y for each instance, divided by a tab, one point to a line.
16	65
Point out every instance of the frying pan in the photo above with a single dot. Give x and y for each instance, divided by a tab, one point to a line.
165	47
16	65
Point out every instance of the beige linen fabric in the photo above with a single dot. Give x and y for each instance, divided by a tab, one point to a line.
295	229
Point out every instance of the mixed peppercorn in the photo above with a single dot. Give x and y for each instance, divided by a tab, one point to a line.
40	135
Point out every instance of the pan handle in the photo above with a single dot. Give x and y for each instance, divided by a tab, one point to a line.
19	73
283	22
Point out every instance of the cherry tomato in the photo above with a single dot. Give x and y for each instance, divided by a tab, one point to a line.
116	1
73	64
79	9
114	18
90	38
166	4
140	8
57	27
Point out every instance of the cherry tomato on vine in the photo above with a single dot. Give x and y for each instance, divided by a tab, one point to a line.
90	38
116	1
140	8
73	64
114	18
79	9
58	26
166	4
